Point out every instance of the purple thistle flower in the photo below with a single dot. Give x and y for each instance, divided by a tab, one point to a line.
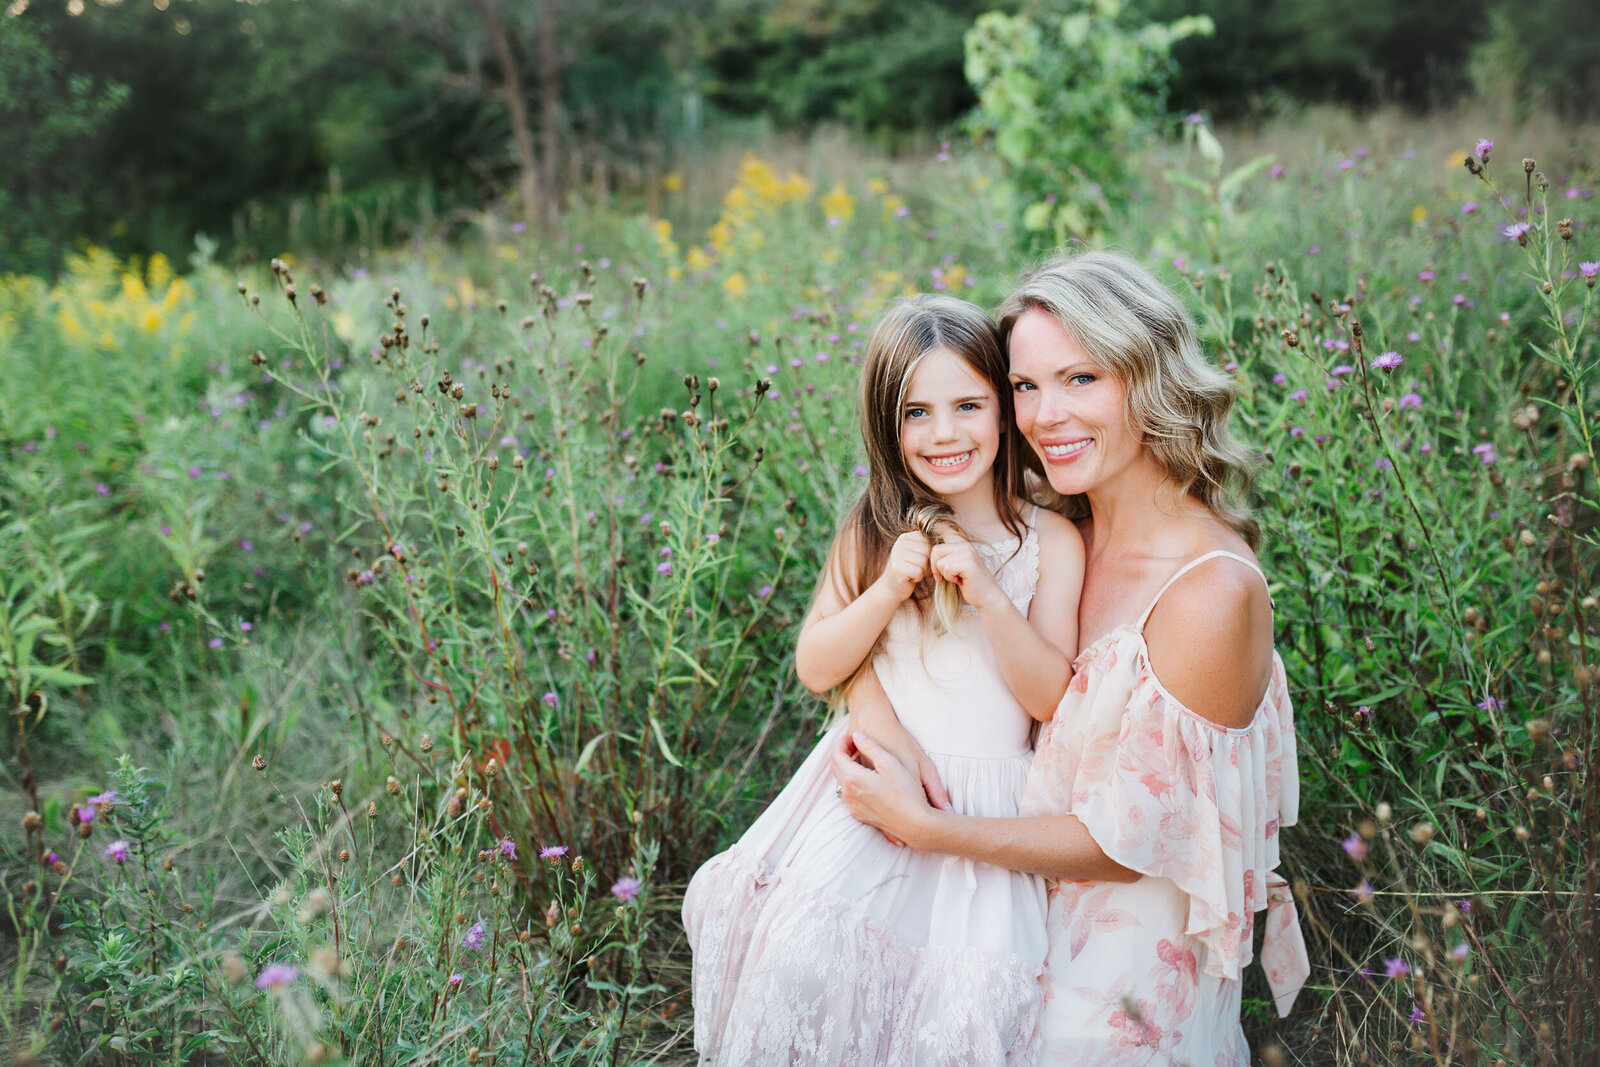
454	979
1425	276
1518	232
1297	431
1280	379
550	700
1469	207
472	940
276	974
1485	453
1483	148
1355	846
1461	952
1383	463
116	852
1364	714
1387	361
1589	268
625	889
215	642
508	848
107	800
1276	171
664	568
1363	891
102	488
1298	394
1395	967
552	852
86	812
1417	1017
764	592
1341	370
1411	400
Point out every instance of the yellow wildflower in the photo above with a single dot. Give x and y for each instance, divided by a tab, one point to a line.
1419	213
663	230
838	204
735	285
877	186
795	187
674	273
697	260
176	291
159	272
150	321
672	182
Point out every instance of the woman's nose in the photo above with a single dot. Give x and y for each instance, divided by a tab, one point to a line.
1052	409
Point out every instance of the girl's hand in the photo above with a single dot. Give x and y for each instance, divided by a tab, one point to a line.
907	565
956	560
878	789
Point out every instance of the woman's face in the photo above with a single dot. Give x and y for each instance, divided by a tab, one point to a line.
1071	410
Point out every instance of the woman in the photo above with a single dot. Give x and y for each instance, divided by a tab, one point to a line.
1157	792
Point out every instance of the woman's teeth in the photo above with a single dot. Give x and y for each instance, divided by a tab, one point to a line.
1060	451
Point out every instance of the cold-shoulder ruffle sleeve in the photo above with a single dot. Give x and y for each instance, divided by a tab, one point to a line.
1168	794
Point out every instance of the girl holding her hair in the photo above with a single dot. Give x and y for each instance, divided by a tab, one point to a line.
818	940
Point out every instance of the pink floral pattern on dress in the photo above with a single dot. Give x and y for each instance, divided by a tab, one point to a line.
1196	809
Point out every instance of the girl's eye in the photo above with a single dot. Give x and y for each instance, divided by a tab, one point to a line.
915	413
971	405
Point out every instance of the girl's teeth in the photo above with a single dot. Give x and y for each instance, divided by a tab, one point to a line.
949	461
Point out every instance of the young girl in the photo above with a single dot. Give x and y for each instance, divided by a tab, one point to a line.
816	940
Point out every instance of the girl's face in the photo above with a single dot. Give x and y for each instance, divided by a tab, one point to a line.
950	425
1072	411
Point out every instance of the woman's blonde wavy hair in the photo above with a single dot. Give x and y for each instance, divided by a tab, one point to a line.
1126	321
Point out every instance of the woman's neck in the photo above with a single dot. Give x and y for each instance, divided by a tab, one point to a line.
1140	513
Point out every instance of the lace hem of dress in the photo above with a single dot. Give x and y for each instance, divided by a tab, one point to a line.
784	974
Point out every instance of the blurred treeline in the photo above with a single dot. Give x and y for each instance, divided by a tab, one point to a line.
142	123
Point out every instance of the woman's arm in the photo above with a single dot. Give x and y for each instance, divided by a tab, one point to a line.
838	633
881	792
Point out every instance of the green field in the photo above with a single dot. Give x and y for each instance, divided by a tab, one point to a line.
361	585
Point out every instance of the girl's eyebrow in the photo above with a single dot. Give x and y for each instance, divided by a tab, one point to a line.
957	400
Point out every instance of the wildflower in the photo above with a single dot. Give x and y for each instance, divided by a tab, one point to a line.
1341	370
1387	361
102	488
1355	846
1279	379
764	592
1395	967
195	472
454	979
1364	714
1485	453
104	802
1490	704
1461	952
116	852
1276	171
508	848
735	285
1411	400
552	852
1298	394
472	940
215	642
1363	892
1417	1017
550	700
625	889
1518	232
1483	148
274	975
1425	276
1589	268
86	813
246	625
1469	207
1297	431
664	569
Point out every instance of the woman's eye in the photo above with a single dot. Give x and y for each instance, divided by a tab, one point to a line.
1022	387
1081	379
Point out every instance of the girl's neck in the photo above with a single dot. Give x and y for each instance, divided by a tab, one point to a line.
975	511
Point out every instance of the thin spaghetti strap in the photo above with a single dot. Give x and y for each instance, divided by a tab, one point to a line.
1185	569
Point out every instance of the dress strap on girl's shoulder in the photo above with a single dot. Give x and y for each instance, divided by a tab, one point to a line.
1191	565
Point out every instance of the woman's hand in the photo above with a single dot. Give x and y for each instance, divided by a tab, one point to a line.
878	789
956	560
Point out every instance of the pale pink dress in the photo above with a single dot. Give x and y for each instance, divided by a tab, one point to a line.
817	942
1148	972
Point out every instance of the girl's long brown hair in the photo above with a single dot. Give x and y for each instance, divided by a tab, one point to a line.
895	501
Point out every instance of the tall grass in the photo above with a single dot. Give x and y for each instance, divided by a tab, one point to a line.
510	538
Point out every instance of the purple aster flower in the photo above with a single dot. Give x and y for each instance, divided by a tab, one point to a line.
116	852
1461	952
1417	1017
1411	400
1341	370
625	889
1483	148
1298	394
550	700
274	975
508	848
1485	453
1518	232
552	852
1395	967
472	940
1387	361
1355	846
1589	268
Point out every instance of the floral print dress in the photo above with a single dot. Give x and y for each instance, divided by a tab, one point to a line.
1148	972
